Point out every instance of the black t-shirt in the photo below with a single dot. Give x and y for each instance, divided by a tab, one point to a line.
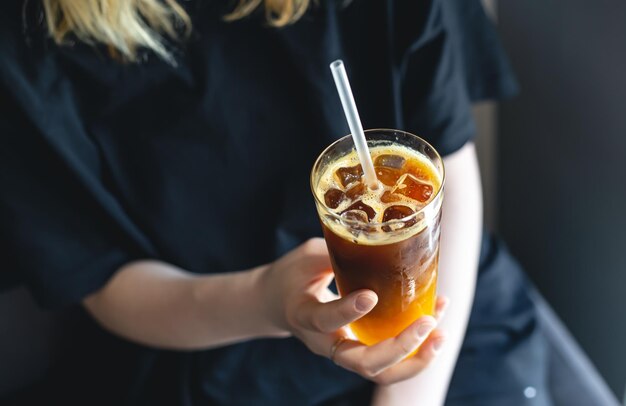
205	164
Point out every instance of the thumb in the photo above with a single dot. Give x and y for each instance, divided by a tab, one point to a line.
330	316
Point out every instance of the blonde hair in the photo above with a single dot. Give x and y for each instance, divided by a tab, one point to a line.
278	13
125	26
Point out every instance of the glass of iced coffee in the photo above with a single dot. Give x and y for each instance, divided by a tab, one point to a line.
384	239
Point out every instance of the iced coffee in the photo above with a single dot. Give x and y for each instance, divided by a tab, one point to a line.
384	239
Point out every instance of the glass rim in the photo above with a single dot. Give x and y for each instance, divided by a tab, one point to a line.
426	207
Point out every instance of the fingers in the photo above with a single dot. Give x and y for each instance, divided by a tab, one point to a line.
441	306
330	316
414	365
387	362
371	361
319	322
316	254
391	351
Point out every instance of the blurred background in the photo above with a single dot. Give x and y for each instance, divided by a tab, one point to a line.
553	162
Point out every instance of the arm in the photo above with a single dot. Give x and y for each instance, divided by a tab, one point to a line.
460	245
163	306
159	305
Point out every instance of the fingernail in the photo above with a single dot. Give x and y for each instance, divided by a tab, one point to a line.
438	344
364	303
424	329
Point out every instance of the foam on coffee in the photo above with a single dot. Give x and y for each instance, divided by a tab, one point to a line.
343	175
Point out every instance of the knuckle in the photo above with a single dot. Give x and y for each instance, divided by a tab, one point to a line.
312	245
366	370
406	347
316	322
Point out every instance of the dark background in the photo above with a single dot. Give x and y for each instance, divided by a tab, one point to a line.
562	165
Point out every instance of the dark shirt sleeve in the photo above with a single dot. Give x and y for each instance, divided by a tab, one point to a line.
486	69
63	233
447	56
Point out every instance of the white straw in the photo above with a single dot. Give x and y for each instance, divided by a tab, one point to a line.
354	122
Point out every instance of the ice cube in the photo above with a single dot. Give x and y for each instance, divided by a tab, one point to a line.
388	197
410	186
398	212
349	174
358	215
359	205
388	176
417	169
333	198
389	161
356	191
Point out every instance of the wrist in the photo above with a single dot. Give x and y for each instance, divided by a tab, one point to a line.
236	302
265	301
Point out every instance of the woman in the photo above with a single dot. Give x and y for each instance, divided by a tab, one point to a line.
154	168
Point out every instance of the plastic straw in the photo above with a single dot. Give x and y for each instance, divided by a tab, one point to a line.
354	122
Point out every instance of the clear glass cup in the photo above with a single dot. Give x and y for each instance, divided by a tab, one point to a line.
397	259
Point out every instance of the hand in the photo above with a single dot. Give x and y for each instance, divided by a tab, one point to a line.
299	302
